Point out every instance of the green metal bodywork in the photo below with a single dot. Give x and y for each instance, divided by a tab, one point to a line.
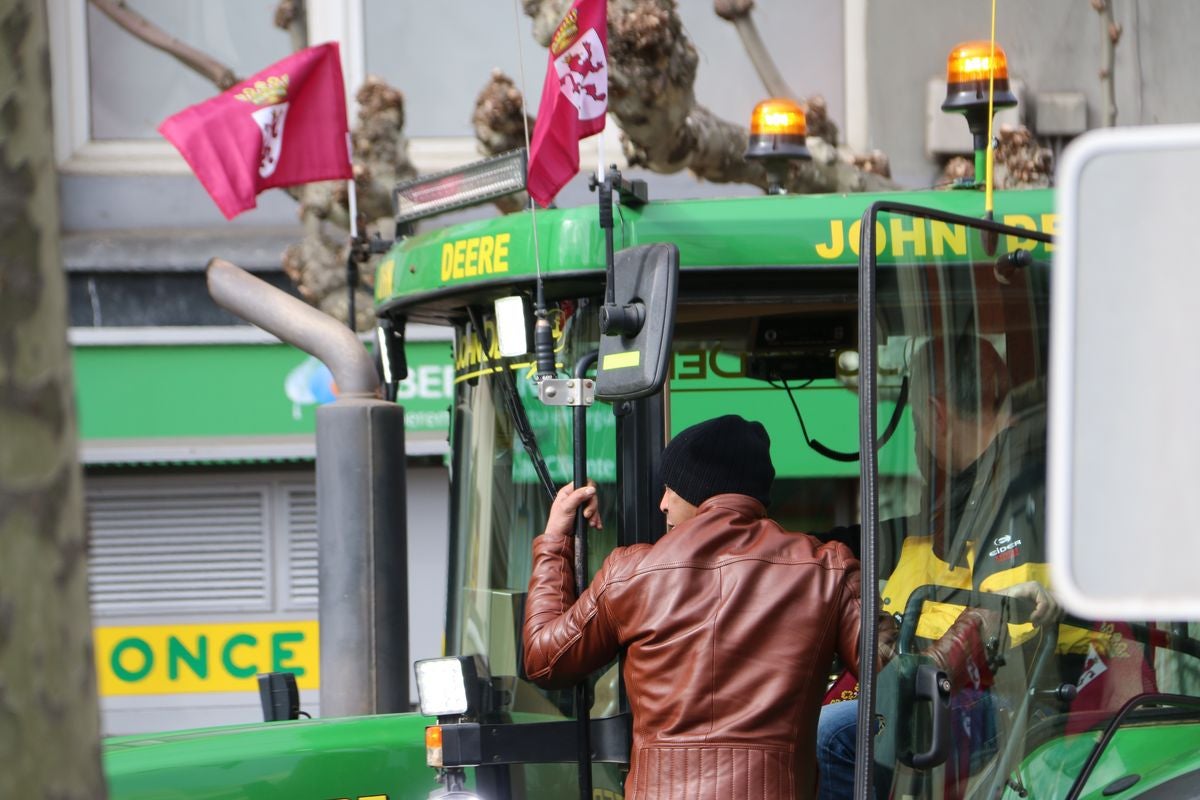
322	759
749	232
1156	753
319	759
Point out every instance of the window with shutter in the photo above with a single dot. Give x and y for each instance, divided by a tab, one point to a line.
161	546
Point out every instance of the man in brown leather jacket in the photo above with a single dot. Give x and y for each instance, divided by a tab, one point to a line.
728	624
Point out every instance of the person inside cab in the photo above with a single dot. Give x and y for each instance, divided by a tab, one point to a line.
728	623
978	532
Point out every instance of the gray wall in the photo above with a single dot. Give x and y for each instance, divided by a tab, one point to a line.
1053	45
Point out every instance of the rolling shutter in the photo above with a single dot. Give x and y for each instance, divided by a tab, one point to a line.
300	511
165	546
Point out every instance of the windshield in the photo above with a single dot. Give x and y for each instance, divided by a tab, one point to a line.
961	568
777	364
500	504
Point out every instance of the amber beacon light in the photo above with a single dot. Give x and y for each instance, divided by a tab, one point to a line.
972	70
967	76
778	131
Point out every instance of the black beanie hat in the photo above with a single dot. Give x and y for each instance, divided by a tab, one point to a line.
723	455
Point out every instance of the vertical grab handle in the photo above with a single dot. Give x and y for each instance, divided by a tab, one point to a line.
933	686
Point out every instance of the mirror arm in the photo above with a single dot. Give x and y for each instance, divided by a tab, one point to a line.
617	320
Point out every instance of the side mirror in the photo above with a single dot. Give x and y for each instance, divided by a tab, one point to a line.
635	341
1123	428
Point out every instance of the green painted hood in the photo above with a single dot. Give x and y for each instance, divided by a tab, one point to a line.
320	759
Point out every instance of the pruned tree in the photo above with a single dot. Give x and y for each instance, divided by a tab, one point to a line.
49	717
317	263
652	72
1020	162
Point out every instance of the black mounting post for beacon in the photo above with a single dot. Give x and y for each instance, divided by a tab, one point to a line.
617	320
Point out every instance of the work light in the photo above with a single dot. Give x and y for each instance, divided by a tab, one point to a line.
458	188
450	686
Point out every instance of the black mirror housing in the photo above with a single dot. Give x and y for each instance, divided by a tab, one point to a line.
635	353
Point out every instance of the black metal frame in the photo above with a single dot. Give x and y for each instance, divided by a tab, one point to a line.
869	460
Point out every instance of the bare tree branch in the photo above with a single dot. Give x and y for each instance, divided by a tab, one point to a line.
292	16
1110	34
546	14
738	12
499	127
652	72
202	63
1021	163
317	264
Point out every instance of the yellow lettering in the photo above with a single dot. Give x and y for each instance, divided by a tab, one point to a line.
460	352
1020	221
1050	228
915	235
447	260
493	340
470	354
500	262
485	254
852	236
476	356
460	255
834	247
472	254
474	257
945	234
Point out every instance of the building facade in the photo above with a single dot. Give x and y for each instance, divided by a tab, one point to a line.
198	431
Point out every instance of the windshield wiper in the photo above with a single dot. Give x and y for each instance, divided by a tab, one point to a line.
516	410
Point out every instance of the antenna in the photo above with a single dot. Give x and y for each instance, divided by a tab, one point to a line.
543	334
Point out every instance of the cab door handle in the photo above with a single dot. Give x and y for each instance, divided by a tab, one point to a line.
933	686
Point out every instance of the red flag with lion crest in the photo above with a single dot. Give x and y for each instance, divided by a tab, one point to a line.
574	98
283	126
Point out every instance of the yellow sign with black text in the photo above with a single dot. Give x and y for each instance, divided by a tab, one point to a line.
184	659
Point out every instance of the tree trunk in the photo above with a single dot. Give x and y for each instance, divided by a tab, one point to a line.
49	719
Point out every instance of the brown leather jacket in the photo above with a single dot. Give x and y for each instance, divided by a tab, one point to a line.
729	624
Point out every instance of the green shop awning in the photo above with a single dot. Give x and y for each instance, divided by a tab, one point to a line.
230	395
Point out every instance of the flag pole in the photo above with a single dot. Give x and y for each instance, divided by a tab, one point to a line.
351	257
600	156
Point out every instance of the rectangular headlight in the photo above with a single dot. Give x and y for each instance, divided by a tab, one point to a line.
448	686
459	188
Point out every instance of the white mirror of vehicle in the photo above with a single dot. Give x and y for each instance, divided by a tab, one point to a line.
1124	459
